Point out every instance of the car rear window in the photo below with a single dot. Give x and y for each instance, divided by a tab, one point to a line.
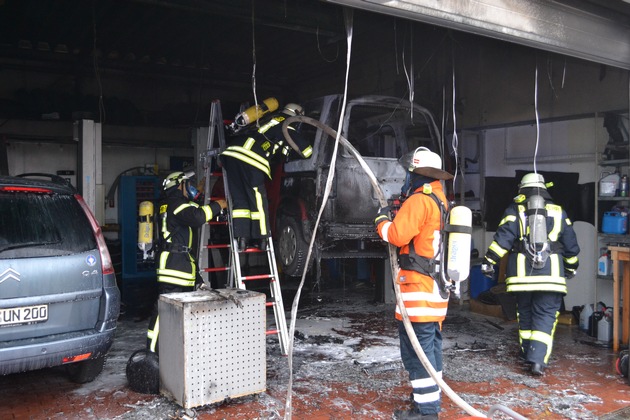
37	225
383	131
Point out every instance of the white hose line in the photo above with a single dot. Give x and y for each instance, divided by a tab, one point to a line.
393	260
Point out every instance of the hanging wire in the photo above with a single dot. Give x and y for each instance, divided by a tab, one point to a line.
396	45
564	72
537	119
550	76
455	141
410	78
254	60
319	49
97	73
348	14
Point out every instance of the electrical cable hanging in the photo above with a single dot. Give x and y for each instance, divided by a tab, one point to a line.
410	77
254	60
348	16
455	140
391	249
537	119
97	73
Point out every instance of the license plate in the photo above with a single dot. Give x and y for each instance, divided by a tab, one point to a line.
23	315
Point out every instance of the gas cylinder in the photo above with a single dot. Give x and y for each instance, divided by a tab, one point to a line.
459	236
255	112
145	229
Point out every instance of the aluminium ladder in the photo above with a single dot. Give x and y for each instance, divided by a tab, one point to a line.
207	247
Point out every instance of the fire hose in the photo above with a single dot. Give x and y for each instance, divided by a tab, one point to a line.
393	260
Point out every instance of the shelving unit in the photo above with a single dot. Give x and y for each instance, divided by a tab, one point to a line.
470	187
605	164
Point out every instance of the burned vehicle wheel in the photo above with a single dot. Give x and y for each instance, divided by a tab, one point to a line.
292	248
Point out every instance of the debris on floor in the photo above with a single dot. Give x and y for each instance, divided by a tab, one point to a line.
347	365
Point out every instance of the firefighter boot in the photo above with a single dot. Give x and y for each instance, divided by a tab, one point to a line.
537	369
413	414
242	244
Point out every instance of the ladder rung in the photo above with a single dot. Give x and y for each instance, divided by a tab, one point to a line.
218	246
218	223
218	197
213	269
269	332
257	277
269	304
220	173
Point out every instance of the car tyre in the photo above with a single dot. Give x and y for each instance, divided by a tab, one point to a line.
292	248
86	370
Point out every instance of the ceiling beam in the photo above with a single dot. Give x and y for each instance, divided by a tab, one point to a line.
576	28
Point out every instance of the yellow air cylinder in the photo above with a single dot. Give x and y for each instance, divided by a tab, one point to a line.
145	228
255	112
459	231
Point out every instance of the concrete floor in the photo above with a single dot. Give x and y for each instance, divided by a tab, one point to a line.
346	366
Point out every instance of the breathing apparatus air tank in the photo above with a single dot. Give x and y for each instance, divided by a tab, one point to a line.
145	229
459	231
537	222
255	112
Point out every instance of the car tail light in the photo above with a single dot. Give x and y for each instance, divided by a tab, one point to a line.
26	189
76	358
106	261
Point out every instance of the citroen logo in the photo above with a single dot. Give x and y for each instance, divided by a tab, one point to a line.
9	273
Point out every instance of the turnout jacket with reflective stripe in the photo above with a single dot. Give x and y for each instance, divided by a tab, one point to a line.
513	227
419	220
259	147
178	217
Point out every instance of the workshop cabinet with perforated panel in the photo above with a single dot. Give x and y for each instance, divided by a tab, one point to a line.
212	345
139	285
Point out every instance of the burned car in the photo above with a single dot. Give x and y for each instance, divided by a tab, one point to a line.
382	129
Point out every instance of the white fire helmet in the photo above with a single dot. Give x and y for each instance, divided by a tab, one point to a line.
425	162
293	109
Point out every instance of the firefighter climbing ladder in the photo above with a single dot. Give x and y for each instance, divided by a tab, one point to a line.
234	268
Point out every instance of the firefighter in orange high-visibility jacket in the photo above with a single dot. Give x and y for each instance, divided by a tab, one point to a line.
543	253
416	231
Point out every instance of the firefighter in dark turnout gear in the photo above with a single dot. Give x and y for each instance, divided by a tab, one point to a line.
247	161
543	250
178	215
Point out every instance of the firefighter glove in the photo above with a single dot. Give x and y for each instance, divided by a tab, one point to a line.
383	214
569	273
487	269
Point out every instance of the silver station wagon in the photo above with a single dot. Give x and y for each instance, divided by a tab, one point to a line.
58	296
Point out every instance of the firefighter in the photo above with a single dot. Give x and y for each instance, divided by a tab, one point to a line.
247	160
416	230
178	216
543	250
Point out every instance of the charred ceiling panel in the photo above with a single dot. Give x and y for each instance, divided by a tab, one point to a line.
597	31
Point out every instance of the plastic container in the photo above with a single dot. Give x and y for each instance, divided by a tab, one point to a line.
478	282
585	315
623	186
605	329
615	222
608	185
604	265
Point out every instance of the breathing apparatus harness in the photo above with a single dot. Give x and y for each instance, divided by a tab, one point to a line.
534	242
434	267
